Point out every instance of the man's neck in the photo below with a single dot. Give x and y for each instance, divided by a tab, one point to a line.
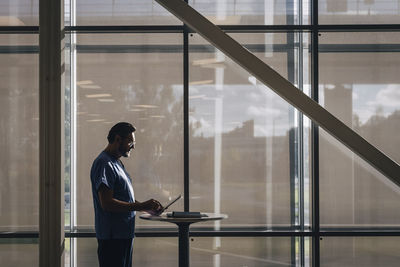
112	152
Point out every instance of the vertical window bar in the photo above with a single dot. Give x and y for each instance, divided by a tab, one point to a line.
315	138
300	146
300	143
73	188
186	114
291	69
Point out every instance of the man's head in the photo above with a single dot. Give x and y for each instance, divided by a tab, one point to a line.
122	137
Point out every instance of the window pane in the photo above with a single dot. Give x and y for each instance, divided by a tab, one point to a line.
359	84
19	12
19	117
67	252
123	12
19	252
353	194
259	12
135	78
358	12
242	134
249	251
162	252
359	251
211	251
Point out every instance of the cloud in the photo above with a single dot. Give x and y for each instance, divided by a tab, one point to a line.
254	97
194	90
262	111
387	97
274	129
390	96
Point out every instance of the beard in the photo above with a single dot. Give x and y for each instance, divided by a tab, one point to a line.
124	152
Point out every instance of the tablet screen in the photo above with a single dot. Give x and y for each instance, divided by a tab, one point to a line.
172	202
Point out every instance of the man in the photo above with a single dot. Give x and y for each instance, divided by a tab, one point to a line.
114	200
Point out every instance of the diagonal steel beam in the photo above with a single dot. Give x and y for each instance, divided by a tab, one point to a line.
284	88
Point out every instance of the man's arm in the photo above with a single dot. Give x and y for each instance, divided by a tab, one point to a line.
109	203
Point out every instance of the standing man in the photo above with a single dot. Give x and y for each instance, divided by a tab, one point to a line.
114	200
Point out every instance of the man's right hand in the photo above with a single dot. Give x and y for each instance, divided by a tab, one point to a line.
153	206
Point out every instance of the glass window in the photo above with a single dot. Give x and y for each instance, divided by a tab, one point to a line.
249	150
213	251
256	12
157	252
249	251
241	141
19	252
19	13
359	251
122	12
359	84
19	117
135	78
353	194
358	12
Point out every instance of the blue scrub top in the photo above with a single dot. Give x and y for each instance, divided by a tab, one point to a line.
109	171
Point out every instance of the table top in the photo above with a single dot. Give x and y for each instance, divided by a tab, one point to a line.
163	217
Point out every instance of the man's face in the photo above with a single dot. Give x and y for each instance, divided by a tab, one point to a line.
126	145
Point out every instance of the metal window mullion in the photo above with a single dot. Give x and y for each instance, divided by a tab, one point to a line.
299	136
300	73
227	28
291	69
315	138
186	119
186	116
300	146
73	181
222	233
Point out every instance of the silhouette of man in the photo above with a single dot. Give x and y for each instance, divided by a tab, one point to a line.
114	199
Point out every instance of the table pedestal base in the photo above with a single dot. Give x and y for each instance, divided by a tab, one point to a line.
183	226
183	243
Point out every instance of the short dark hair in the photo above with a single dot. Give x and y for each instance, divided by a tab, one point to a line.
122	129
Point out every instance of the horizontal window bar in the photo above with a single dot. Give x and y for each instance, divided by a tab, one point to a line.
219	233
255	48
126	29
227	28
19	234
175	48
19	29
19	49
358	48
360	233
358	27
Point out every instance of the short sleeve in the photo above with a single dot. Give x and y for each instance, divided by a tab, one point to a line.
104	174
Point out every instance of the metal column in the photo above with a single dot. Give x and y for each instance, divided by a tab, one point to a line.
51	112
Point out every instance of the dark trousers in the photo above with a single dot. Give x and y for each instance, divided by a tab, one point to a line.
115	252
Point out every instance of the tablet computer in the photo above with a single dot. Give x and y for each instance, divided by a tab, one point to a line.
172	202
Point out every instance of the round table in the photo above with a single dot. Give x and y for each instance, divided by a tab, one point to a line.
183	226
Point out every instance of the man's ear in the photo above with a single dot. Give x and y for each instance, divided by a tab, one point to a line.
117	138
